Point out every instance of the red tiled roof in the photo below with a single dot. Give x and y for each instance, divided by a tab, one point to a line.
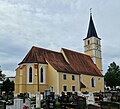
81	63
35	55
58	62
55	59
78	63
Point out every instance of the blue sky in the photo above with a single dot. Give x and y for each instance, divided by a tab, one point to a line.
54	24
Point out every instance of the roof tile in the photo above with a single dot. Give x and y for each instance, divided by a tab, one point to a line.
78	63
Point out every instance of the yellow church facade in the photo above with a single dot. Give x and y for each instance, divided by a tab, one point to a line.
51	78
64	71
77	73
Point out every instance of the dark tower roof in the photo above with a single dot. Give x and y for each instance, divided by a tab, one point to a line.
91	29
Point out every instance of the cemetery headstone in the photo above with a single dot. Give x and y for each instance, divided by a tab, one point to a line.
118	97
109	95
38	99
46	93
50	100
51	104
30	95
2	104
18	103
81	102
28	103
109	105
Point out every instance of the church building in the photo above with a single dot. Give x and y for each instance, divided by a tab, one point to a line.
64	71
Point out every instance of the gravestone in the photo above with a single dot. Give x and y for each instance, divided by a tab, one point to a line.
89	98
81	102
46	93
51	104
118	97
41	96
2	104
18	103
51	101
38	100
109	105
91	106
30	95
28	103
109	95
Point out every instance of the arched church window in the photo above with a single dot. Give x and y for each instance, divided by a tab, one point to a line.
93	82
41	75
30	74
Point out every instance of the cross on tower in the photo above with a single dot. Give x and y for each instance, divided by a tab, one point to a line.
90	11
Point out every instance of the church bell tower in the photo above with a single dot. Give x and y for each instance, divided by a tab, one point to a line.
92	46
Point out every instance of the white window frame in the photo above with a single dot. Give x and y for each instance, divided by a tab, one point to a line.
74	77
44	75
66	87
63	76
73	86
28	74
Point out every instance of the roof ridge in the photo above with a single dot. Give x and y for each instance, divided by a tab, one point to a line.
76	52
45	49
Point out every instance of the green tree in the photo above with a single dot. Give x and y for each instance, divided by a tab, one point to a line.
6	85
2	76
112	77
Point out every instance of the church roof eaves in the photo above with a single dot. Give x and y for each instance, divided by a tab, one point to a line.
79	63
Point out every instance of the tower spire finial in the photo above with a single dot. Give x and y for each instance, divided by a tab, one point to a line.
90	11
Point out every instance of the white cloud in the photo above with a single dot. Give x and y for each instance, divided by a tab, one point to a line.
8	73
55	24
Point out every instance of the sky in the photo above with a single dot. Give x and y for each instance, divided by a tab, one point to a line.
54	24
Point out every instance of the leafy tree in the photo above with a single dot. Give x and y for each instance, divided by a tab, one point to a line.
112	77
2	76
6	85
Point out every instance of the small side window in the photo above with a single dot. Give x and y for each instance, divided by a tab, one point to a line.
73	88
64	76
64	88
73	77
